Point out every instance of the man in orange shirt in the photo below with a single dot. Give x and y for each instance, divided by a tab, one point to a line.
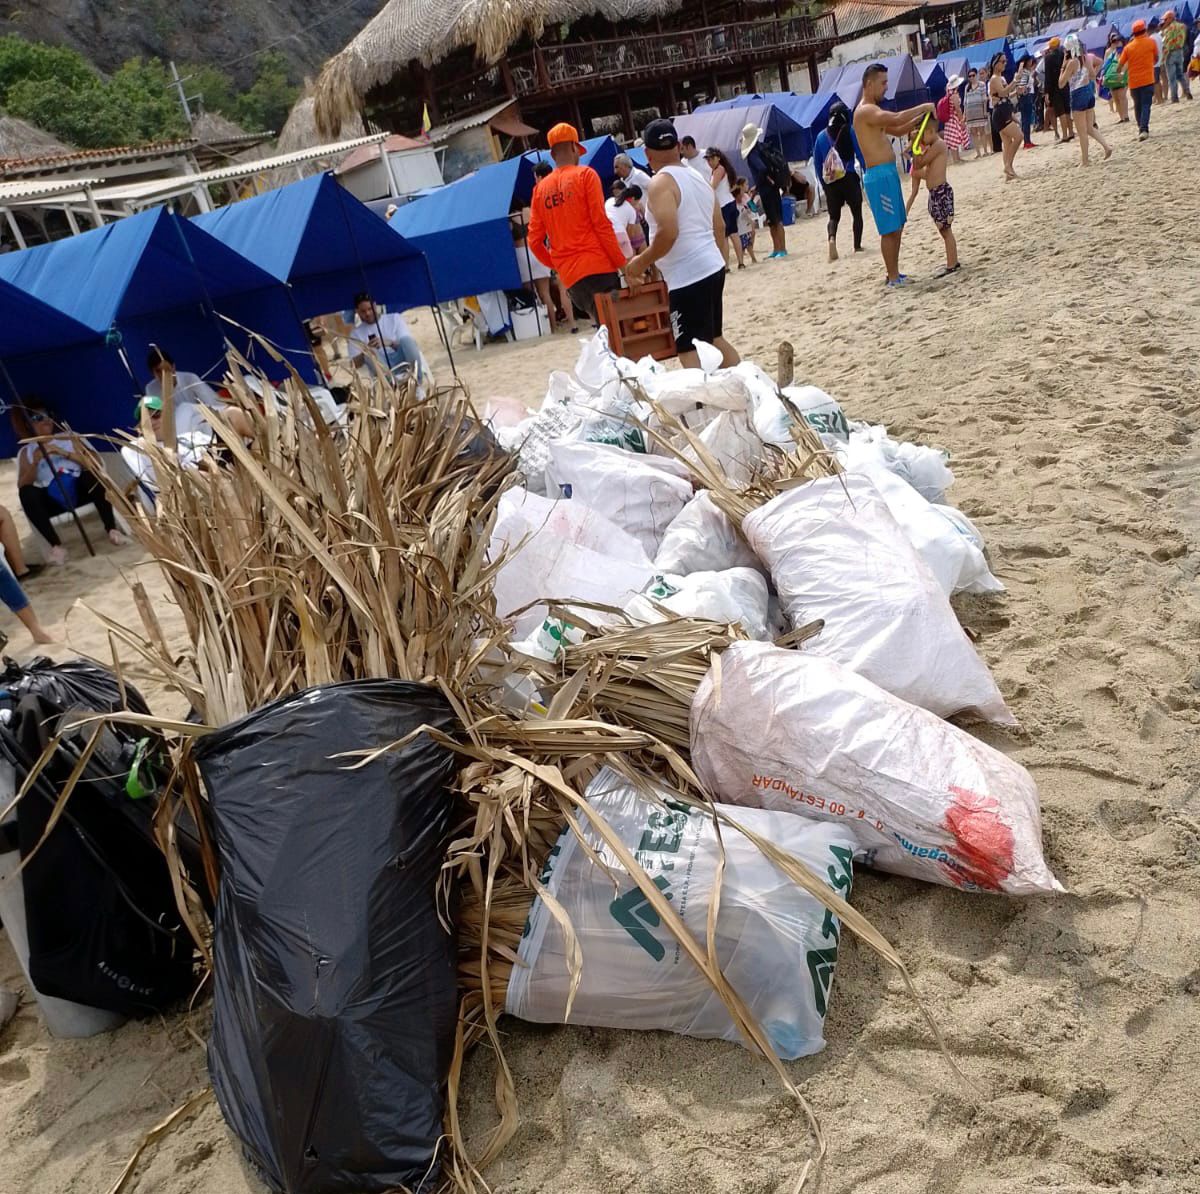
568	207
1140	57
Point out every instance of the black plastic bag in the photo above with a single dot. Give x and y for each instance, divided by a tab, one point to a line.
104	928
335	997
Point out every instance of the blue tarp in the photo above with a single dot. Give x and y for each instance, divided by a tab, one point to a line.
983	52
723	130
464	230
638	156
325	244
600	154
152	278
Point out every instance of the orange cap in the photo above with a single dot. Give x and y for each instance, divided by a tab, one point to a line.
1055	43
1139	26
564	134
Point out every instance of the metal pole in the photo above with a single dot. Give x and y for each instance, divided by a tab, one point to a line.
183	102
15	228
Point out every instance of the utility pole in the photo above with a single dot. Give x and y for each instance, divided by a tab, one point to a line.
187	111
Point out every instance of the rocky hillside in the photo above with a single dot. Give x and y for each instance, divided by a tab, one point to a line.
223	32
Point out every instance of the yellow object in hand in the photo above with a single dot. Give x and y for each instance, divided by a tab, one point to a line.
921	133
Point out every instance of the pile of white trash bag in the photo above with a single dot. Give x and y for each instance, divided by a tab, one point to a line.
847	733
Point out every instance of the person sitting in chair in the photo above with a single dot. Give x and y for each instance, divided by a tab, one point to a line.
53	477
189	390
387	336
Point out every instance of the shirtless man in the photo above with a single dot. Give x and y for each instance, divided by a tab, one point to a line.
873	125
929	166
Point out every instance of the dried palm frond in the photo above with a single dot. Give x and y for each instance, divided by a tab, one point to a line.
309	561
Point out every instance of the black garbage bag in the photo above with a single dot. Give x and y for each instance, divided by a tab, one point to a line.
335	997
104	927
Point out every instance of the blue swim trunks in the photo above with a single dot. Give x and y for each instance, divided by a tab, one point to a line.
882	184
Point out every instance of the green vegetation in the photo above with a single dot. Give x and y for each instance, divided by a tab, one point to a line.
58	90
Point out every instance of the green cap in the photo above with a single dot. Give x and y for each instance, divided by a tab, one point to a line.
150	403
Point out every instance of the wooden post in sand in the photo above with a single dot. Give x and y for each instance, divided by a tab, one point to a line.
168	409
786	370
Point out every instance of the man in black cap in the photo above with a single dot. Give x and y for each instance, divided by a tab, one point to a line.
687	243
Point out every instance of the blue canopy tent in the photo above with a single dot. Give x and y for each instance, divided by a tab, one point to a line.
905	87
324	245
153	278
601	151
1094	39
934	75
44	352
788	102
815	114
464	230
983	52
954	63
723	130
1062	28
1123	18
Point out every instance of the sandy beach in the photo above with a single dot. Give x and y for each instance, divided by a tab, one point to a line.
1059	369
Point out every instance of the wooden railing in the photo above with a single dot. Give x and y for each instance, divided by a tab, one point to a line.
554	68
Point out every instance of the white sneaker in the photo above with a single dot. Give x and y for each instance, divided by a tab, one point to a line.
117	539
58	556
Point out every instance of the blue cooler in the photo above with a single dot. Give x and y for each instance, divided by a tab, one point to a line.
789	211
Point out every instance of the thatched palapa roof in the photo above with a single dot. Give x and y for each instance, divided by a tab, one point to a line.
19	139
428	30
300	129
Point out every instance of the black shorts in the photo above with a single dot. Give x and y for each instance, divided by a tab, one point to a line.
772	203
729	213
698	311
1060	101
583	293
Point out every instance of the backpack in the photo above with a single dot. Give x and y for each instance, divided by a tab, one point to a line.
775	168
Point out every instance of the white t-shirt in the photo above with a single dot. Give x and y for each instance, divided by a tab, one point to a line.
697	163
638	178
189	392
694	255
390	328
45	471
189	387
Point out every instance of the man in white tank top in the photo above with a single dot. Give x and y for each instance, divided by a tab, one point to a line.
687	237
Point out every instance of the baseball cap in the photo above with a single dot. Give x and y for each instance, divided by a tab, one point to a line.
660	134
1139	26
564	134
152	402
1055	43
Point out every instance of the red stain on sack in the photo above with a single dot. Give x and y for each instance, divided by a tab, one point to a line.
985	842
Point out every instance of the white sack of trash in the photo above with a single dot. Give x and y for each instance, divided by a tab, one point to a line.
561	551
795	732
776	944
736	596
835	553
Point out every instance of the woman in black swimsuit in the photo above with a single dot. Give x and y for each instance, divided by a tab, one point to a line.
1004	123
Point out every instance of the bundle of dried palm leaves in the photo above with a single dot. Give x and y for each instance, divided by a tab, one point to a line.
309	558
